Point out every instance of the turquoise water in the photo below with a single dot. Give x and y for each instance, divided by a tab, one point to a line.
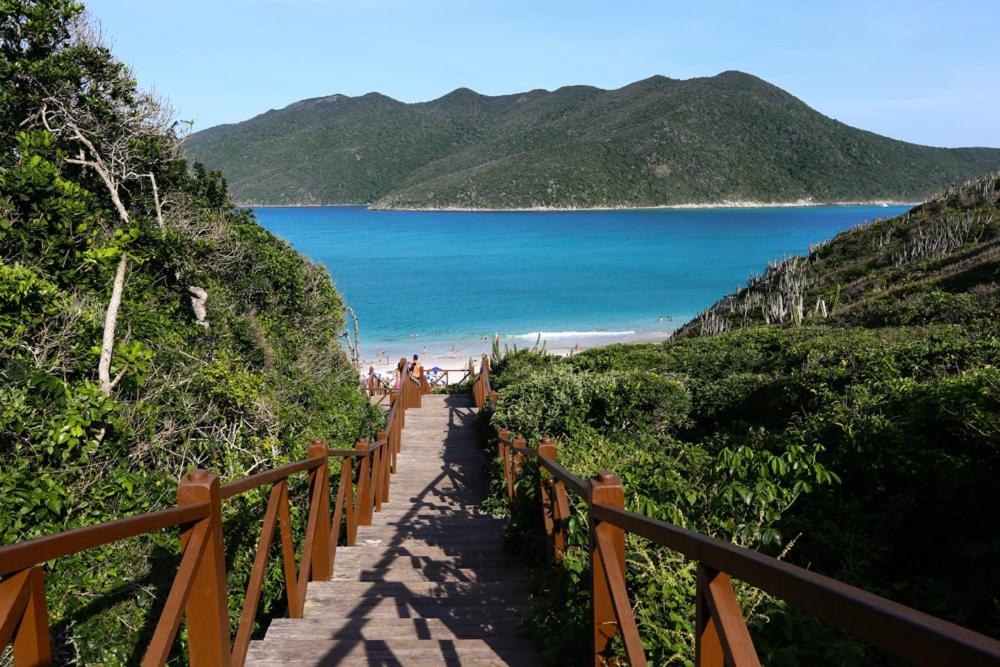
447	277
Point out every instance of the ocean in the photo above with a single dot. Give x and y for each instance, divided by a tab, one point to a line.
428	281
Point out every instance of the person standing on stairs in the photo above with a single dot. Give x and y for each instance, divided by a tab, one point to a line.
417	373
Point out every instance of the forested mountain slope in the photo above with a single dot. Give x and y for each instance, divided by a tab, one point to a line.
842	412
731	137
147	327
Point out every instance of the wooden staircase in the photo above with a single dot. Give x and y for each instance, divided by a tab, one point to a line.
428	583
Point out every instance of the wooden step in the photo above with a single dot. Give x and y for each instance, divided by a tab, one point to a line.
439	572
296	652
379	628
494	651
432	589
389	608
429	581
345	565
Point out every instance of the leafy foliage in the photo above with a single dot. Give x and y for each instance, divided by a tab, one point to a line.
864	447
247	392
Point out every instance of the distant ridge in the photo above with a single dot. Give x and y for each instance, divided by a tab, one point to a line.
728	138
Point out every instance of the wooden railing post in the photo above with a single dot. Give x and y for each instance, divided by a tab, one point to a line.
206	609
377	477
517	458
504	451
383	436
363	500
477	387
555	507
503	437
350	513
481	394
395	431
605	489
319	482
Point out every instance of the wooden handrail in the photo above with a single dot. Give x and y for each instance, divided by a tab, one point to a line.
443	378
899	629
269	477
15	557
198	592
722	635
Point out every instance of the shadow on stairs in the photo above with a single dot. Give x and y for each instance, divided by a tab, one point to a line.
428	583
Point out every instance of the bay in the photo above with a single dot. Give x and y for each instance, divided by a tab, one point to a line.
437	279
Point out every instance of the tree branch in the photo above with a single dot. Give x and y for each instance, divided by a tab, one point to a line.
110	322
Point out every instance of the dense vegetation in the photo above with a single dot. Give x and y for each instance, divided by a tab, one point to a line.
858	435
224	352
730	137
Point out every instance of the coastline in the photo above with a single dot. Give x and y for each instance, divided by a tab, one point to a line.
735	204
455	354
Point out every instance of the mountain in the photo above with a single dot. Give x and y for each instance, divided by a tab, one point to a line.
660	141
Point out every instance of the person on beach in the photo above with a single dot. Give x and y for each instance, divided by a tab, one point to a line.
400	368
417	373
373	381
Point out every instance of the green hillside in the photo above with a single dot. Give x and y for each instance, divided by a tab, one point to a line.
940	262
860	439
731	137
143	333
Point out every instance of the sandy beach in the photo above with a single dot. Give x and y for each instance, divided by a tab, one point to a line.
799	203
454	355
375	206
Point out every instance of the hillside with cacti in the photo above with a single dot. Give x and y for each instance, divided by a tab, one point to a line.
939	262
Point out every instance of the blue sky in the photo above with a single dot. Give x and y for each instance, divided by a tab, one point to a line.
924	71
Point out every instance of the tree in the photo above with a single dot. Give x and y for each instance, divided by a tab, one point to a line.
113	151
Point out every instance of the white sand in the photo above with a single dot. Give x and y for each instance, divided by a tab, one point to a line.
455	355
